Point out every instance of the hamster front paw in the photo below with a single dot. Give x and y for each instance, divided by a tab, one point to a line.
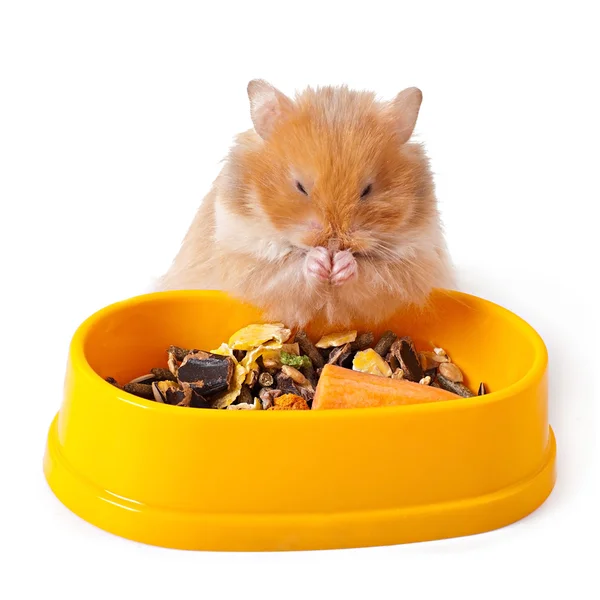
344	268
318	264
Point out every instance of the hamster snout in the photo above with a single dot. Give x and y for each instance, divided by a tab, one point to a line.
334	266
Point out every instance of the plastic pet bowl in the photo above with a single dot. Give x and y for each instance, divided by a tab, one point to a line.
297	480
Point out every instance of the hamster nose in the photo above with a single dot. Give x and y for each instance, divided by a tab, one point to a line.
337	244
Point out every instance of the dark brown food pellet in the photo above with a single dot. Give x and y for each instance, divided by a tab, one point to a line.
362	342
245	396
209	373
308	348
310	374
385	343
179	353
163	374
452	386
143	390
404	351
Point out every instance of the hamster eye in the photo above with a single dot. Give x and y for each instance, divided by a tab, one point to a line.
366	191
301	188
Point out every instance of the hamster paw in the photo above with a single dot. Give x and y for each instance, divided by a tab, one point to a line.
318	264
344	267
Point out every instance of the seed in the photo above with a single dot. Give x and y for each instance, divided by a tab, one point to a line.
440	351
265	379
295	375
451	372
271	363
426	380
482	391
112	381
398	374
144	379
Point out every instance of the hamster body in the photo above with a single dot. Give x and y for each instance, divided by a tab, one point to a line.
325	212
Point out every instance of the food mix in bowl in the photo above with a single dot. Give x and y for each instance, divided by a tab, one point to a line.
267	367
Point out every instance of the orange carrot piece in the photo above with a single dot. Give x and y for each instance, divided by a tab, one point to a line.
343	388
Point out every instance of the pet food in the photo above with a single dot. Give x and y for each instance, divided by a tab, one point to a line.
265	367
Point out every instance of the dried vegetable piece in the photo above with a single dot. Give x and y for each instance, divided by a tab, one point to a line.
333	340
369	361
294	360
252	336
340	388
289	402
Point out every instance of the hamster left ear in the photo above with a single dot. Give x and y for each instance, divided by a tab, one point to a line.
267	106
405	110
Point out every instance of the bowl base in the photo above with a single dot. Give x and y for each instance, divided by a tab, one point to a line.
282	532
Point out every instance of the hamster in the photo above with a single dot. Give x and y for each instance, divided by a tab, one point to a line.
324	212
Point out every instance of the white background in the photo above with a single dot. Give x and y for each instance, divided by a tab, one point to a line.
113	119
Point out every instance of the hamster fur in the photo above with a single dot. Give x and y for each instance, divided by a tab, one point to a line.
325	212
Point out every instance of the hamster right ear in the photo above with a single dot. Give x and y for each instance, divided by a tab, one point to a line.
267	106
405	110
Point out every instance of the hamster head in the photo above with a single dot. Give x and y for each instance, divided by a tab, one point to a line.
334	169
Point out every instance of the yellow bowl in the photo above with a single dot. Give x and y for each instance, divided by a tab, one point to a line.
295	480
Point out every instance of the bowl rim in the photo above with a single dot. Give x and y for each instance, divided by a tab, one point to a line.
80	364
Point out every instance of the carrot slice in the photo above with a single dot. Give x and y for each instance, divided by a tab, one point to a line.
343	388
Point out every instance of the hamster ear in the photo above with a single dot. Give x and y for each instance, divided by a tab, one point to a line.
267	106
405	110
